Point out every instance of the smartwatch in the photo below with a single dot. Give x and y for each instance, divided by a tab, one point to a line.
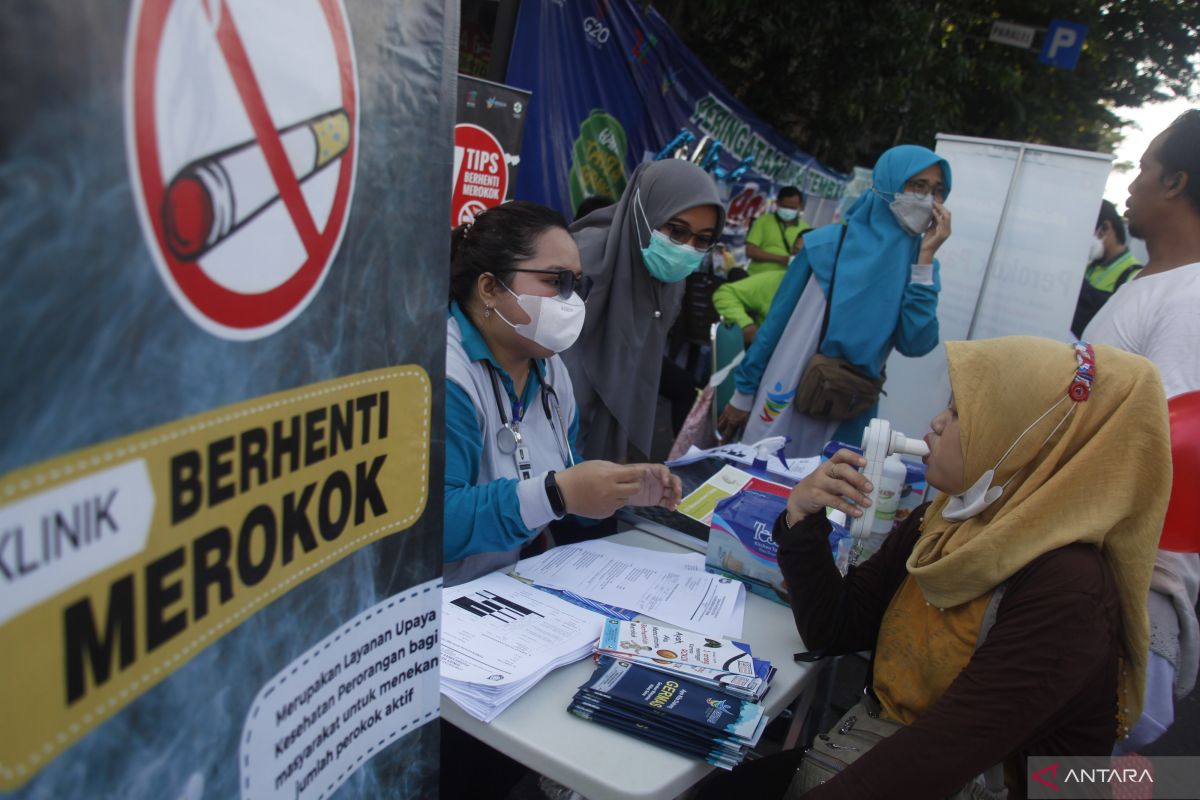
557	503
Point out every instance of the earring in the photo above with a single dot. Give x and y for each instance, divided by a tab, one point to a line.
487	312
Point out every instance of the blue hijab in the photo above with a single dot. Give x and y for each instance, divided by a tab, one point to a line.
874	265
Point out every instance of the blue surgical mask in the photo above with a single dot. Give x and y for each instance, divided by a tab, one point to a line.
787	214
670	262
664	259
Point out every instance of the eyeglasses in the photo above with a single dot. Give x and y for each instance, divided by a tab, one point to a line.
924	187
567	281
682	234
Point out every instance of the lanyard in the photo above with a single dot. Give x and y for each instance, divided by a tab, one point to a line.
508	438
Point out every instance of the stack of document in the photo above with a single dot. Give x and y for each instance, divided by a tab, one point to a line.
671	587
718	664
501	636
673	713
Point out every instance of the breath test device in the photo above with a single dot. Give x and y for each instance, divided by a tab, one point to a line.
879	442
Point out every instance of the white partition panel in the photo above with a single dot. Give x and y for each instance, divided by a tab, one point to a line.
1022	216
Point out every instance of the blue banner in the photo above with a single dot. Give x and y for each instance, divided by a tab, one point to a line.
612	86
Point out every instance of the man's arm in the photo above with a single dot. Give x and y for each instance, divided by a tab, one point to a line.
755	253
755	240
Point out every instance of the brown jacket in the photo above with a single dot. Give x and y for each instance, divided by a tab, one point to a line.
1043	683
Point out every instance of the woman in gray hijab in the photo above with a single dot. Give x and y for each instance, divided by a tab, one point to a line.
637	253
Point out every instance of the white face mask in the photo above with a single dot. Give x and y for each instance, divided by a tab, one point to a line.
787	214
912	211
554	323
974	500
1096	251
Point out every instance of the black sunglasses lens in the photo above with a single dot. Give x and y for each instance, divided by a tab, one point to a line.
569	283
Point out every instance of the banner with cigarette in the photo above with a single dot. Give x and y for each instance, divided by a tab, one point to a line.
220	475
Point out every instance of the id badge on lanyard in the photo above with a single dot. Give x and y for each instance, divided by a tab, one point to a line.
509	440
524	464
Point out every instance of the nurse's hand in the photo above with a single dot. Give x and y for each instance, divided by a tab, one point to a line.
596	489
659	487
833	484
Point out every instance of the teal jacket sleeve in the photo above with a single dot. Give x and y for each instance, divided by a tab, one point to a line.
749	373
917	330
477	519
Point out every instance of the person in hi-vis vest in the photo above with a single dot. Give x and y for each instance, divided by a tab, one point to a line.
1110	264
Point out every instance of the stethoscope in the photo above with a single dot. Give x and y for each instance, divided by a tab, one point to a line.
509	439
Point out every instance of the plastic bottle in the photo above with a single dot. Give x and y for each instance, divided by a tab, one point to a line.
891	486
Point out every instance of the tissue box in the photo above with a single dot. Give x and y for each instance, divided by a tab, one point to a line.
740	543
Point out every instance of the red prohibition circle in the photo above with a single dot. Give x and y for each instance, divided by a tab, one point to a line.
223	306
479	139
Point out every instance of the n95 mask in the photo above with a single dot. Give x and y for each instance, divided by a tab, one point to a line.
913	212
554	323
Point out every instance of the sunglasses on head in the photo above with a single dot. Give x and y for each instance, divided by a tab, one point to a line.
568	282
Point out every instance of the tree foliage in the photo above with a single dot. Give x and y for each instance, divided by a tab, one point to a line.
850	78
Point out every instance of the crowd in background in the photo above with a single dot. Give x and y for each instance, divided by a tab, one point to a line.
560	344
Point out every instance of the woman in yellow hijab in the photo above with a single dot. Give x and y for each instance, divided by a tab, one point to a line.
1053	467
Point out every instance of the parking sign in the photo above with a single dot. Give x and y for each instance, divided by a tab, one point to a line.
1063	43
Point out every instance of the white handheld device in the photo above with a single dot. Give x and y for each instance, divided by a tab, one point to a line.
879	442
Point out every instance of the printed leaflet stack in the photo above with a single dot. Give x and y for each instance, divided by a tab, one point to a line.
674	713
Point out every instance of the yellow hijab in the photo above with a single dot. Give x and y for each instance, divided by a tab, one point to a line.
1104	477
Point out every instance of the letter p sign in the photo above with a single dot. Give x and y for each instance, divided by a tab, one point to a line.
1063	43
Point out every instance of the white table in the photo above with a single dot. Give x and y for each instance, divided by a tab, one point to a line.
602	764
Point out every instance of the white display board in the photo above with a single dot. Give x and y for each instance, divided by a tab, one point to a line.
1022	218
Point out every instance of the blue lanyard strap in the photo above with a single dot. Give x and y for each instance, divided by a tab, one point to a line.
518	409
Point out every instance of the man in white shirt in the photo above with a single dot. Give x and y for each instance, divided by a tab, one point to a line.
1157	315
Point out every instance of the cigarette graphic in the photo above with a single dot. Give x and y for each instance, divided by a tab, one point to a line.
213	196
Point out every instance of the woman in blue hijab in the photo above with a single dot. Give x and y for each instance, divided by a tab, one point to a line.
885	298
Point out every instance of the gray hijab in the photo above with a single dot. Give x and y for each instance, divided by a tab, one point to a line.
616	364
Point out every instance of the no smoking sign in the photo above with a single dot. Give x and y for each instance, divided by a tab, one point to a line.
480	173
242	130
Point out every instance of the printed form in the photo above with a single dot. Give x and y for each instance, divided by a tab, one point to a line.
661	585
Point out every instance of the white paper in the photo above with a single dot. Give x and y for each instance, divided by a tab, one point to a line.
660	585
497	630
791	469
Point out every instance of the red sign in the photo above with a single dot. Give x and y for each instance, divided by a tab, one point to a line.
243	137
480	173
744	207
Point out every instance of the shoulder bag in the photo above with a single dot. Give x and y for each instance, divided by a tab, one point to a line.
833	389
